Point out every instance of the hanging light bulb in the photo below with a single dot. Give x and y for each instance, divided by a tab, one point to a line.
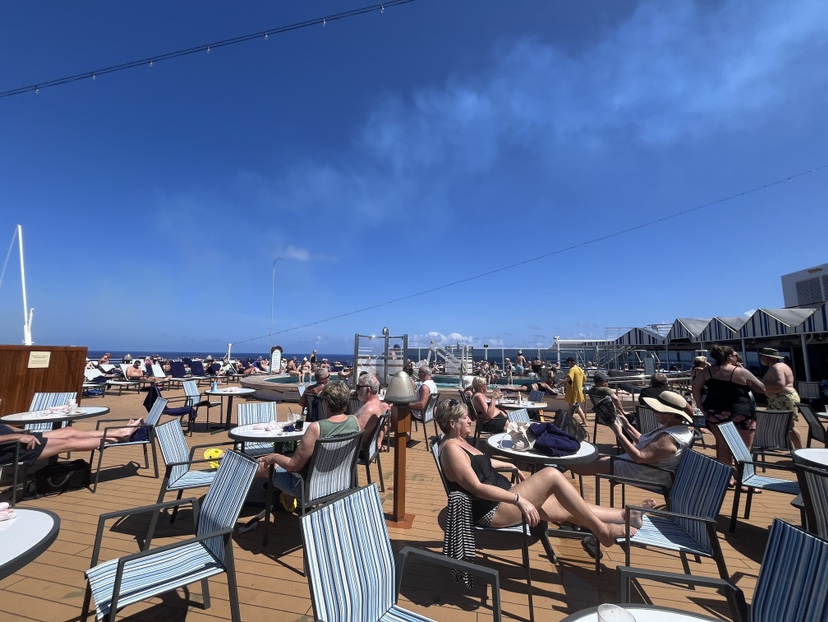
324	22
94	76
209	49
266	35
37	89
382	8
150	63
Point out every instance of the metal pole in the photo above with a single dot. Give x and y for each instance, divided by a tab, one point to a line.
27	316
272	298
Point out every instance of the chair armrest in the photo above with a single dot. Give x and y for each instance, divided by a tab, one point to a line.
620	479
96	550
768	465
456	564
735	596
194	448
669	514
100	421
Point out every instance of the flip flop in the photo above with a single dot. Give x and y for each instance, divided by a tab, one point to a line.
590	545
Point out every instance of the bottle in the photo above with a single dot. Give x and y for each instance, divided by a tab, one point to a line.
214	387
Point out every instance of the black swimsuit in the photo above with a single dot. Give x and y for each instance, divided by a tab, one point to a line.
727	401
486	474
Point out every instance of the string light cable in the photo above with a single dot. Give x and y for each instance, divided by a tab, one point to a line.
207	47
560	251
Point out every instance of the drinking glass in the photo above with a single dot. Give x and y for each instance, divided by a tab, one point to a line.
614	613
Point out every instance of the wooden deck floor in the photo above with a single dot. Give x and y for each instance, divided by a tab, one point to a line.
270	582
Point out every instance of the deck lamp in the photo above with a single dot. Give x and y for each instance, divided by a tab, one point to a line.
400	393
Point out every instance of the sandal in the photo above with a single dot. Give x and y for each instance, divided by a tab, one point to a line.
590	545
290	506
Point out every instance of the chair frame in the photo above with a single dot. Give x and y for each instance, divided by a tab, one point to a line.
428	416
372	502
226	536
773	444
15	470
816	429
781	534
815	501
370	453
307	476
155	413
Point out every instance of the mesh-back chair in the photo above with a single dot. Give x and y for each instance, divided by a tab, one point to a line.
250	413
351	571
771	435
688	525
354	405
317	407
604	409
179	460
117	583
746	473
426	416
647	421
150	421
792	585
370	452
331	469
536	396
459	538
814	486
816	428
475	416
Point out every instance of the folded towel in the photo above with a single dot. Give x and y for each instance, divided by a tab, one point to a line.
552	441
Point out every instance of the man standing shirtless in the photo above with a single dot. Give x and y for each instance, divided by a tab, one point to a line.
779	389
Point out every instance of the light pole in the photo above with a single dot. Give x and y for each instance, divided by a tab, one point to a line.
272	298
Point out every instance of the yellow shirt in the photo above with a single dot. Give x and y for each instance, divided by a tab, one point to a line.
575	385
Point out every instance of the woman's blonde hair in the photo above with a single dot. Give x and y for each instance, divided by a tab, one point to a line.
479	382
448	412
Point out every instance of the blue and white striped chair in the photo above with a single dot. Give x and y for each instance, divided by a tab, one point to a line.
792	585
250	413
178	459
521	415
195	400
350	563
331	469
771	435
150	421
370	452
814	486
688	526
427	417
42	401
536	396
117	583
746	473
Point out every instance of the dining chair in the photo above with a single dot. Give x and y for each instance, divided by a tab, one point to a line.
459	542
771	437
179	412
746	473
195	400
536	396
817	430
370	452
13	461
688	525
426	417
647	421
44	401
521	415
792	585
331	469
352	573
813	483
139	439
120	582
251	413
179	460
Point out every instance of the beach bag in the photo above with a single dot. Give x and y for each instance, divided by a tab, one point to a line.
521	440
62	476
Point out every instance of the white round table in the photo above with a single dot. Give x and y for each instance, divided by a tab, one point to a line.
508	404
44	416
502	444
816	457
641	613
229	393
248	433
25	537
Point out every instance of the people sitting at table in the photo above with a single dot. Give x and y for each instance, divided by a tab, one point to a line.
491	418
43	445
336	396
546	495
662	447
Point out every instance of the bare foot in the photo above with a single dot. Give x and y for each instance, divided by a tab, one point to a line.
613	532
636	519
127	431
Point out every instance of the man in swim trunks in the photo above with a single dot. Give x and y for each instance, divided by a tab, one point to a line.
779	389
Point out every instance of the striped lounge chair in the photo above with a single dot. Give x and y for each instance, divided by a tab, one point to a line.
792	584
350	563
117	583
746	473
688	527
331	469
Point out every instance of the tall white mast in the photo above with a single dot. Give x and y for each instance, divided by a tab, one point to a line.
27	313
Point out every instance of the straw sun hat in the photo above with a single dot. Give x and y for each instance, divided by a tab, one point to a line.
670	403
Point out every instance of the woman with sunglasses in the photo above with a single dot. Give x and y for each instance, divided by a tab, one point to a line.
545	495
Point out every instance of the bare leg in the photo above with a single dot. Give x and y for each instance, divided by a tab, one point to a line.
601	465
723	454
558	501
795	438
69	439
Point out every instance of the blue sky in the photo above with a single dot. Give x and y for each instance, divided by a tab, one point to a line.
394	153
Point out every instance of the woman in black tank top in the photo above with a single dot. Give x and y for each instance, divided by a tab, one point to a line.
546	495
728	398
